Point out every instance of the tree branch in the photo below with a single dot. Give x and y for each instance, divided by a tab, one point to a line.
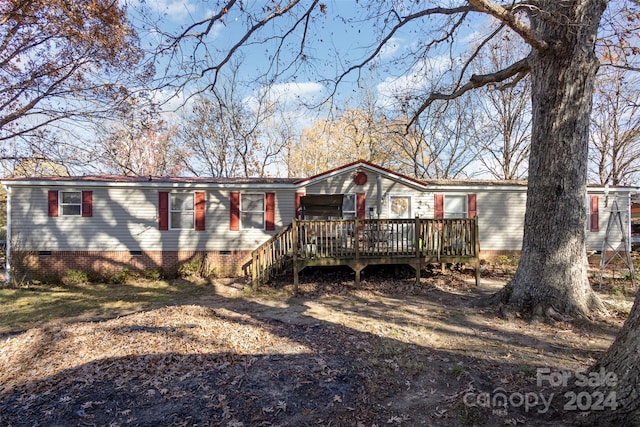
248	34
476	81
402	22
504	15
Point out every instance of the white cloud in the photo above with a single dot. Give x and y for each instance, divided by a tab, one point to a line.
391	47
288	95
176	10
291	92
419	79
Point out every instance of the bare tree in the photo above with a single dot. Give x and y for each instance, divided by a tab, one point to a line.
615	128
211	135
440	144
505	125
561	38
360	132
229	135
61	62
142	148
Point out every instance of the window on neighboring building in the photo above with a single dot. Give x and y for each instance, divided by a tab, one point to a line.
70	203
181	211
252	211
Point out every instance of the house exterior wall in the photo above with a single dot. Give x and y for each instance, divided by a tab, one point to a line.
124	221
108	263
343	183
595	239
501	212
124	227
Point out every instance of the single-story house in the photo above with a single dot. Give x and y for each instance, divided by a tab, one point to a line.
103	223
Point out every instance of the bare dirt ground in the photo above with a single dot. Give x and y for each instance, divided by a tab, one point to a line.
386	353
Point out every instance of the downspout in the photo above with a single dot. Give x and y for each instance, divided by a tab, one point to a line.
7	242
379	201
629	224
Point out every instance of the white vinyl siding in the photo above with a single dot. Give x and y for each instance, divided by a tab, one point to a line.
343	183
501	218
127	219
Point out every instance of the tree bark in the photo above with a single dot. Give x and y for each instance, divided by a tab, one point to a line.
622	359
551	279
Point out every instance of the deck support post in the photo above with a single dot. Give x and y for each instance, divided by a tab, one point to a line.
417	241
295	246
254	270
307	243
476	246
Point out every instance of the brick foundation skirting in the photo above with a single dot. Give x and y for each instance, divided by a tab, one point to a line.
43	263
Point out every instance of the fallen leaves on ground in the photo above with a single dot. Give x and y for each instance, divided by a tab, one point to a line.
389	352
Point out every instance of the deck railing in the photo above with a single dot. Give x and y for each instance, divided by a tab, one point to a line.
392	237
271	257
314	240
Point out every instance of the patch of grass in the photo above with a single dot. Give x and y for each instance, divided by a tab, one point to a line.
29	306
75	278
456	371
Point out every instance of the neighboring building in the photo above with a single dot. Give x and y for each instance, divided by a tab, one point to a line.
106	223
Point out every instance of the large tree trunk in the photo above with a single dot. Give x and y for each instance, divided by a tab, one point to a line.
551	279
621	393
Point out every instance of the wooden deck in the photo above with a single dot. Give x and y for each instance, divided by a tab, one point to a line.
360	243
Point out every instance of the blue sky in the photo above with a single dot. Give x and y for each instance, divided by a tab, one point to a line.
340	30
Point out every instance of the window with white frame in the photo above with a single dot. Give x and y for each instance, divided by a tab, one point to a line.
455	206
70	203
399	206
349	206
181	211
252	210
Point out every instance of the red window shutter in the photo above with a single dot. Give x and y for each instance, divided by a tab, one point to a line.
234	208
87	203
594	214
361	199
53	202
200	210
270	211
472	209
163	210
298	213
438	211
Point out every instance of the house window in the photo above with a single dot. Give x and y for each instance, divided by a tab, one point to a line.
252	211
349	206
181	212
455	206
70	203
399	206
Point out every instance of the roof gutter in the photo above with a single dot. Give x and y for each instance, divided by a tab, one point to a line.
158	184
